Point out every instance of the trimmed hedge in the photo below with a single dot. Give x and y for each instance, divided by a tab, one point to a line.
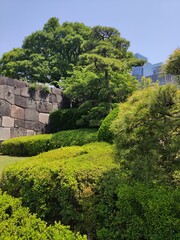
26	145
64	119
105	133
136	211
60	184
33	145
16	222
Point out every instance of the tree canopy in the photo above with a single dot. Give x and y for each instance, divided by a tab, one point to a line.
172	65
51	53
91	64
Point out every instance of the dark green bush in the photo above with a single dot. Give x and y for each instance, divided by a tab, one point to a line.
93	114
60	184
88	115
33	145
64	119
17	223
26	145
104	132
77	137
137	211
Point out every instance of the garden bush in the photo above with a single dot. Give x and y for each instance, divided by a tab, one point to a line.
60	184
147	132
136	211
88	115
104	132
33	145
16	222
26	145
64	119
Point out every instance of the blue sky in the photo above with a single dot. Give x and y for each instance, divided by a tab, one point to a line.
152	26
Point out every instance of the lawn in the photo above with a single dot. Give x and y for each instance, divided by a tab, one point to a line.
7	160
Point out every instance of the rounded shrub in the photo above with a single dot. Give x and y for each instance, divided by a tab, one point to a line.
137	211
33	145
59	185
26	145
147	132
64	119
16	222
104	132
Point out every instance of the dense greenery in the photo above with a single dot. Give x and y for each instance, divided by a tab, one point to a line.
105	133
83	187
65	119
130	191
91	64
26	145
147	133
16	222
33	145
60	184
172	65
136	211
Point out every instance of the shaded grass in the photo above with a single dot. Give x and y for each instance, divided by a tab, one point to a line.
7	160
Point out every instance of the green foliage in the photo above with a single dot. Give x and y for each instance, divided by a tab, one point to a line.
173	63
73	137
93	114
64	119
43	51
26	145
136	211
17	223
88	115
60	184
147	134
33	145
104	132
91	64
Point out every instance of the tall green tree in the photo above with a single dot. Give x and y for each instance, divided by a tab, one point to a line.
147	135
109	63
172	65
48	54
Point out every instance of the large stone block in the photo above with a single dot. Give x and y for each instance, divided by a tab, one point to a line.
24	102
17	112
59	98
7	121
31	115
17	132
19	123
20	101
44	107
4	133
7	93
5	108
52	98
35	95
32	125
24	92
44	118
20	84
56	91
31	133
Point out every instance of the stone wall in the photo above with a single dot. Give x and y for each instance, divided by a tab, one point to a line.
24	111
